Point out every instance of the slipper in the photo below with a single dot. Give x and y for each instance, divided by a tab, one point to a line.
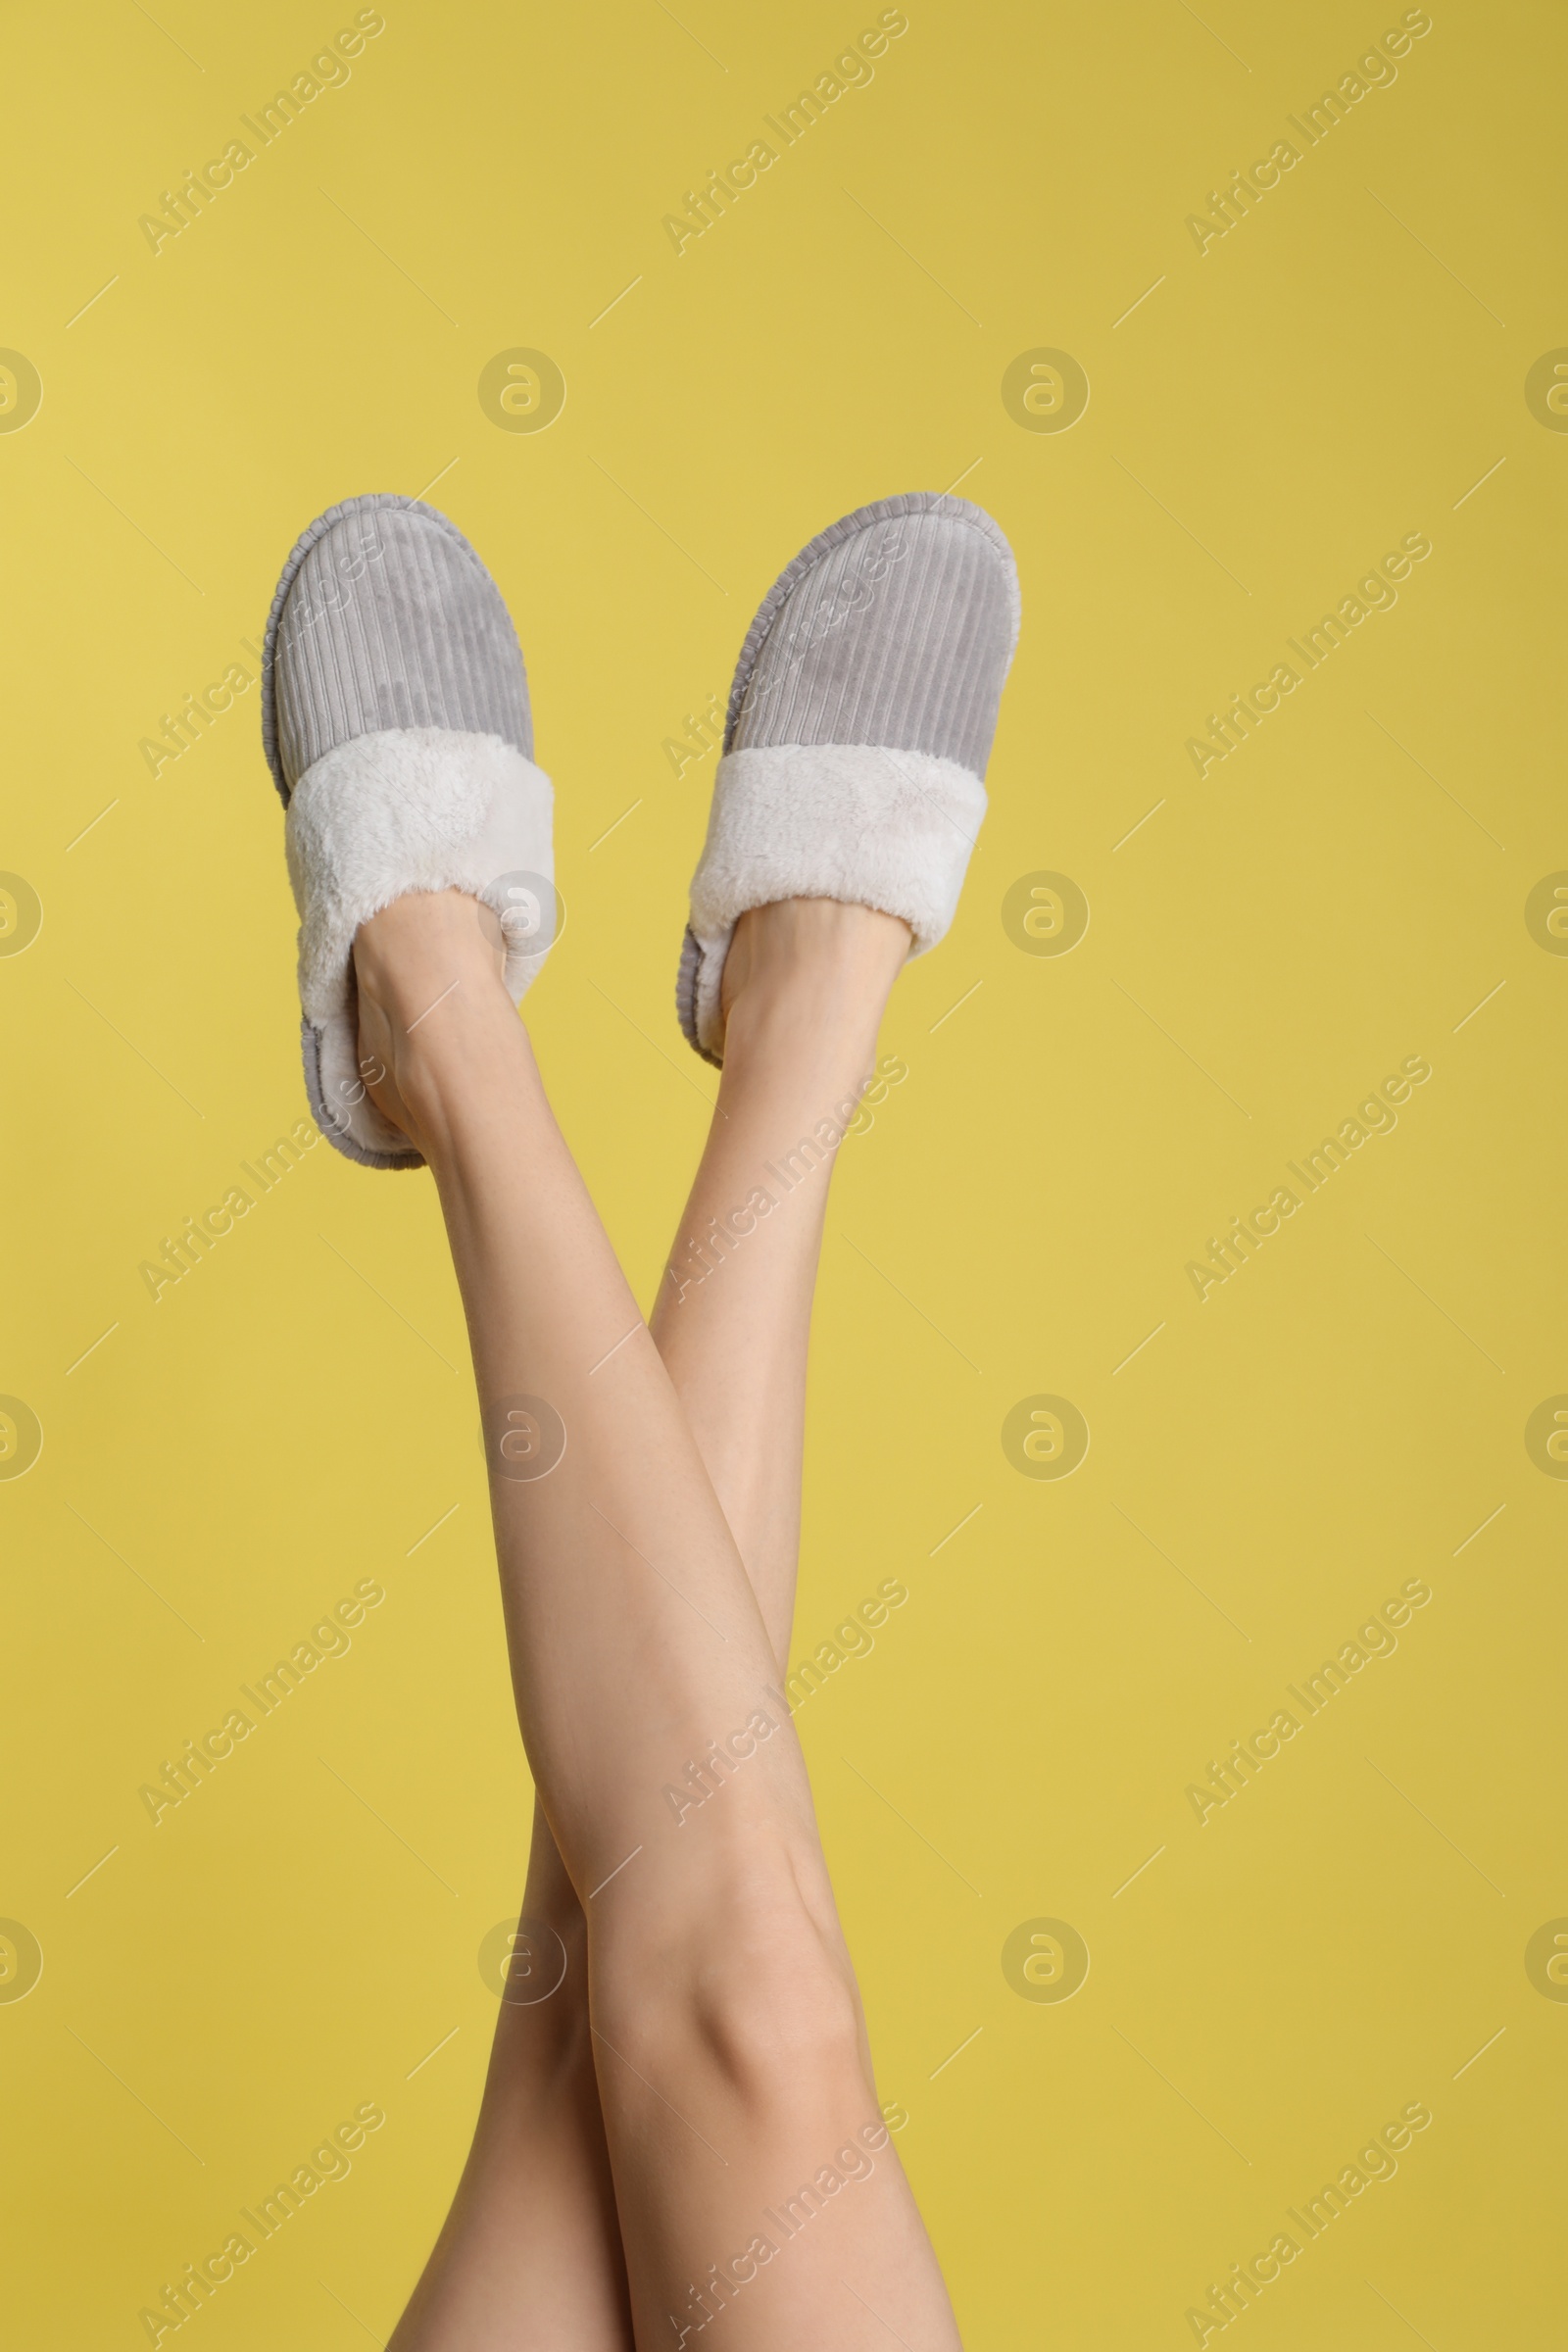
859	724
396	723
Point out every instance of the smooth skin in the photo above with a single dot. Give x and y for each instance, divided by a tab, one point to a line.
704	2056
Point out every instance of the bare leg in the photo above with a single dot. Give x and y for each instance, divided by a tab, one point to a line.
531	2252
806	985
726	2029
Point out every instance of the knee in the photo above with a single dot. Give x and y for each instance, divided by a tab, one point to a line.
759	1994
777	2018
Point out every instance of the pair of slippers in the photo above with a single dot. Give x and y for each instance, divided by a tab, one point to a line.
396	722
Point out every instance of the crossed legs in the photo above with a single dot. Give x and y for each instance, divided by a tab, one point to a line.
638	2158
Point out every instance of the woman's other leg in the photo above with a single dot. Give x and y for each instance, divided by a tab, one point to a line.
529	2257
806	985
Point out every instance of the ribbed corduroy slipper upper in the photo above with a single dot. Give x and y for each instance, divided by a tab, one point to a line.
860	725
396	723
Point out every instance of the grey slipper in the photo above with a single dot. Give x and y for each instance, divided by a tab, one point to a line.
395	720
859	724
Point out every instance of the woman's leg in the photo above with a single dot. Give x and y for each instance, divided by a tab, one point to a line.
747	2162
532	2229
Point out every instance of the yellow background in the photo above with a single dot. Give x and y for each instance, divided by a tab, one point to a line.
1336	373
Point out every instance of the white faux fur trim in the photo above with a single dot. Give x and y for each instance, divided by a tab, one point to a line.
874	827
409	808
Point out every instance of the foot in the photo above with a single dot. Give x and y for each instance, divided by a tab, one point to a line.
432	1005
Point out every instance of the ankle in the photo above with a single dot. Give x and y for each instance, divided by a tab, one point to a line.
432	1007
812	967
